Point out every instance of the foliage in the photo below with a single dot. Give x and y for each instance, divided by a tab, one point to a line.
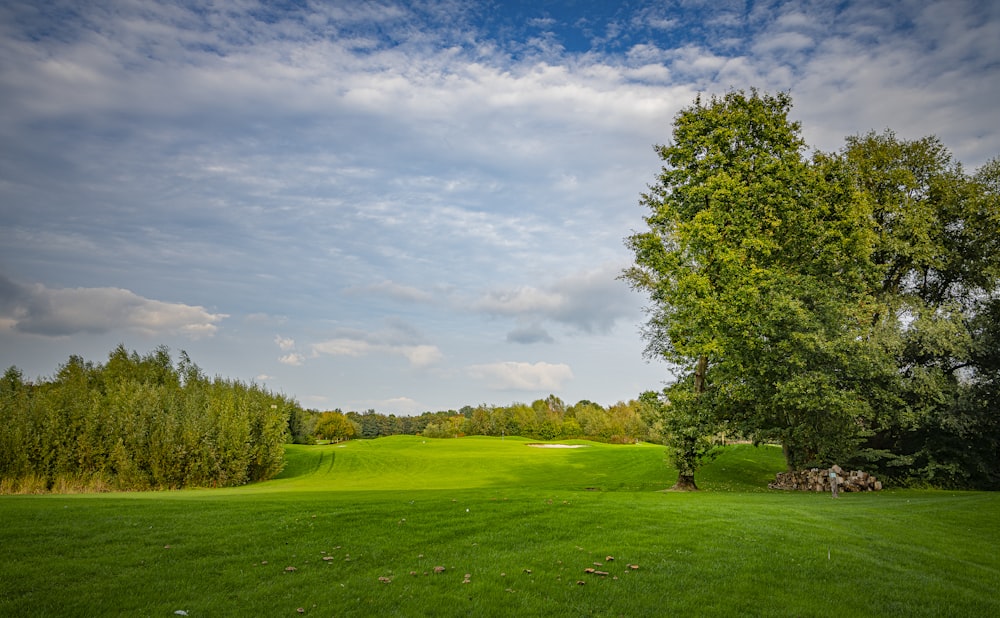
302	426
937	255
137	422
751	264
543	419
334	426
688	428
839	305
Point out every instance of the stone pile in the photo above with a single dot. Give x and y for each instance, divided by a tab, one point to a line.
818	479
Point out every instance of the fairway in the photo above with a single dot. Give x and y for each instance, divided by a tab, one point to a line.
406	526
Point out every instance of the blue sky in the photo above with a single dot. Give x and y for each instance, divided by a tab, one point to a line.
406	206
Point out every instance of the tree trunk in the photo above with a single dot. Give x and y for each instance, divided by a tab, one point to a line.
699	375
788	451
685	482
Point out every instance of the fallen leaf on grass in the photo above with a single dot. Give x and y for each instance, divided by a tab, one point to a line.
609	559
290	569
633	566
385	580
439	569
302	610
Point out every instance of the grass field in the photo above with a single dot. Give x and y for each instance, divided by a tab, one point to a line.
366	526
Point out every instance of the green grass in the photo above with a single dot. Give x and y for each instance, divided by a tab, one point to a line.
523	522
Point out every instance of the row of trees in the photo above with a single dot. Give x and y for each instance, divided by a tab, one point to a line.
137	422
545	419
845	305
140	422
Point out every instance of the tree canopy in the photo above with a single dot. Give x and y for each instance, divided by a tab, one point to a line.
134	423
812	299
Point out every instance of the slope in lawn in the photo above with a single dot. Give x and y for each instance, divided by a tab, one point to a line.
362	529
410	462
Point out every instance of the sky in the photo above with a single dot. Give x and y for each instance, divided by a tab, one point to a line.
407	206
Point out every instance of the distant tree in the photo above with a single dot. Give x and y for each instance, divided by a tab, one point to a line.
334	426
592	419
302	425
449	426
570	428
479	422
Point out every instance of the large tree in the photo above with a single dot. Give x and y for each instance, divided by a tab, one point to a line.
937	260
755	265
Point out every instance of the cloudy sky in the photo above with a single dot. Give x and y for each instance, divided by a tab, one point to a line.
406	206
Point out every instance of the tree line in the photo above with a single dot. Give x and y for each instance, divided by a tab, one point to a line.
140	422
137	423
845	305
543	419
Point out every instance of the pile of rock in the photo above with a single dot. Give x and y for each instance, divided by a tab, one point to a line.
818	479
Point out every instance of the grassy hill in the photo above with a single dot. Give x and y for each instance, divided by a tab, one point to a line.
404	526
409	462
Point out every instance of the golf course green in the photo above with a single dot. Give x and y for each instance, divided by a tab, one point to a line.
476	526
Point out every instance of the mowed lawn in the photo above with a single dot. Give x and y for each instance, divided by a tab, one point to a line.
405	526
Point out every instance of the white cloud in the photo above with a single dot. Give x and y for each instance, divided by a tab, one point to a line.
398	339
292	358
541	22
398	405
343	347
284	343
654	17
590	301
57	312
521	301
419	355
795	19
783	42
522	376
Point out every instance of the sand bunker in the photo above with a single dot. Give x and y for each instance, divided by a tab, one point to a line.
557	445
